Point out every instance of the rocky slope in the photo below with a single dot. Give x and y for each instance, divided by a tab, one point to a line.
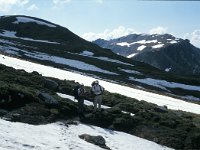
31	98
161	51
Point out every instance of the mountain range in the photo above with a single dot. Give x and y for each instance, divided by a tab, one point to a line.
163	51
40	64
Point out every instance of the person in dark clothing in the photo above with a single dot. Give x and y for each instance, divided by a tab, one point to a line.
80	98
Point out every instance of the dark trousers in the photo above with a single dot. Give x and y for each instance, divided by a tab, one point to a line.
80	106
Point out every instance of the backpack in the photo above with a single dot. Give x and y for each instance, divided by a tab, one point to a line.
98	90
75	92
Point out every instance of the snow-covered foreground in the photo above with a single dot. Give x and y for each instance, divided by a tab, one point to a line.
161	100
20	136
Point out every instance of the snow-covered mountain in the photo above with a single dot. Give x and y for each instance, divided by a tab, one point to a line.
47	43
165	52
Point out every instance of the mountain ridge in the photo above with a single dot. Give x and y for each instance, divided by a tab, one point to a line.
164	51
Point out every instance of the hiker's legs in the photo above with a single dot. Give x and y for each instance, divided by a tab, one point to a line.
80	106
95	103
99	100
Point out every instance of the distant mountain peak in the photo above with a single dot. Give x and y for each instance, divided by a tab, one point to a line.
159	50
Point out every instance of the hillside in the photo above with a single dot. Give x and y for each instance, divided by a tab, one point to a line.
49	44
34	99
165	52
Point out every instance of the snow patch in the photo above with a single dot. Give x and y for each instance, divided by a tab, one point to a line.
145	42
158	46
16	136
131	55
27	20
69	62
140	48
131	71
87	53
12	34
106	59
173	42
113	60
123	44
88	103
162	84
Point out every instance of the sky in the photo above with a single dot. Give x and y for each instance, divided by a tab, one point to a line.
108	19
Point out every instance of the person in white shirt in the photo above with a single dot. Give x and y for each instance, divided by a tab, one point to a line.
97	91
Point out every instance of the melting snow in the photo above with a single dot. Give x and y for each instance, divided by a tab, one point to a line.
131	55
88	103
140	48
12	34
113	60
138	42
27	20
162	84
69	62
20	136
145	42
131	71
123	44
173	42
171	103
158	46
87	53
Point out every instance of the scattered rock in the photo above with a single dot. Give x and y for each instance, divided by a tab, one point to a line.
50	84
48	99
3	112
161	109
97	140
71	122
35	73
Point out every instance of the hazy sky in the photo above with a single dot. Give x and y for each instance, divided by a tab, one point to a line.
107	19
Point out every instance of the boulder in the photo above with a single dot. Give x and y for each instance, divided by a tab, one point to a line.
3	112
50	84
97	140
48	99
161	109
35	73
